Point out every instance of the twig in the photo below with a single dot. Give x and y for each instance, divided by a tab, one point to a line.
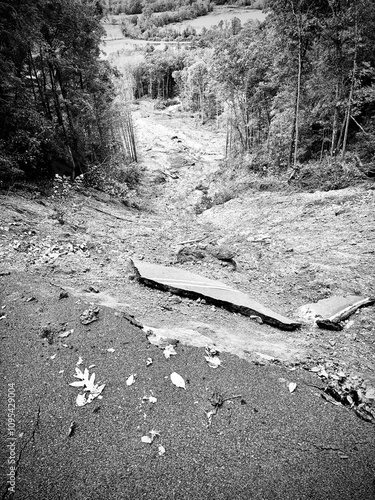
193	241
113	215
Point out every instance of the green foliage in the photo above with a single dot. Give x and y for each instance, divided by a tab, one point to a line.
54	91
328	174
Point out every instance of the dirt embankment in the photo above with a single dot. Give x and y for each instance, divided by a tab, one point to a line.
288	248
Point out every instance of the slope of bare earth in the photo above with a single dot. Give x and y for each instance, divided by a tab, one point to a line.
290	249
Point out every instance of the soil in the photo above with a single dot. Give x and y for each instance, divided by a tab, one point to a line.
285	248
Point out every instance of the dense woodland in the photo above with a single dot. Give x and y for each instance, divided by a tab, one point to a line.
59	106
294	92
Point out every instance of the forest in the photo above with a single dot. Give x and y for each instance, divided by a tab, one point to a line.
296	90
296	93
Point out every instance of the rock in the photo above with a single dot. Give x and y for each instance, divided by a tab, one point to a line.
194	286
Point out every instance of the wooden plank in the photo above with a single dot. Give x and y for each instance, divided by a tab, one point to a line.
185	283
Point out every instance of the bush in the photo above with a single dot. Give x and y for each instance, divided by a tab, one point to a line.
329	174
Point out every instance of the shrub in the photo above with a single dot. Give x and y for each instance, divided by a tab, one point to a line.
329	174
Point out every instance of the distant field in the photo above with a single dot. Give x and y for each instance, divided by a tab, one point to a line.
115	41
221	14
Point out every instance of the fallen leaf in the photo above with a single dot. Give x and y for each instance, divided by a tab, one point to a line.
111	349
213	361
81	383
169	351
149	361
257	319
292	386
80	361
81	400
149	440
91	366
150	399
161	450
211	350
177	380
61	371
53	357
65	334
72	428
131	380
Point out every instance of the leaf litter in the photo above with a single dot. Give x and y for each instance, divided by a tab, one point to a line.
177	380
87	383
130	381
149	439
212	357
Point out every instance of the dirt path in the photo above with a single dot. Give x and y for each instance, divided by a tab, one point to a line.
290	249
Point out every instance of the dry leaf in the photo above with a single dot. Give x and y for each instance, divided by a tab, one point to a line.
177	380
292	386
161	450
65	334
149	361
78	384
150	399
315	369
169	351
131	380
80	361
81	400
111	349
213	361
146	439
53	357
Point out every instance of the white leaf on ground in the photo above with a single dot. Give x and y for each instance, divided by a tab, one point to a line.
149	361
61	371
169	351
131	380
315	369
161	450
79	374
213	361
256	318
150	399
211	350
53	357
91	366
323	373
81	400
292	386
65	334
154	434
80	361
98	389
78	384
177	380
111	349
146	439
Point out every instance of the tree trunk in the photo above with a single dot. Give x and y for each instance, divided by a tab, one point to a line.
352	85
